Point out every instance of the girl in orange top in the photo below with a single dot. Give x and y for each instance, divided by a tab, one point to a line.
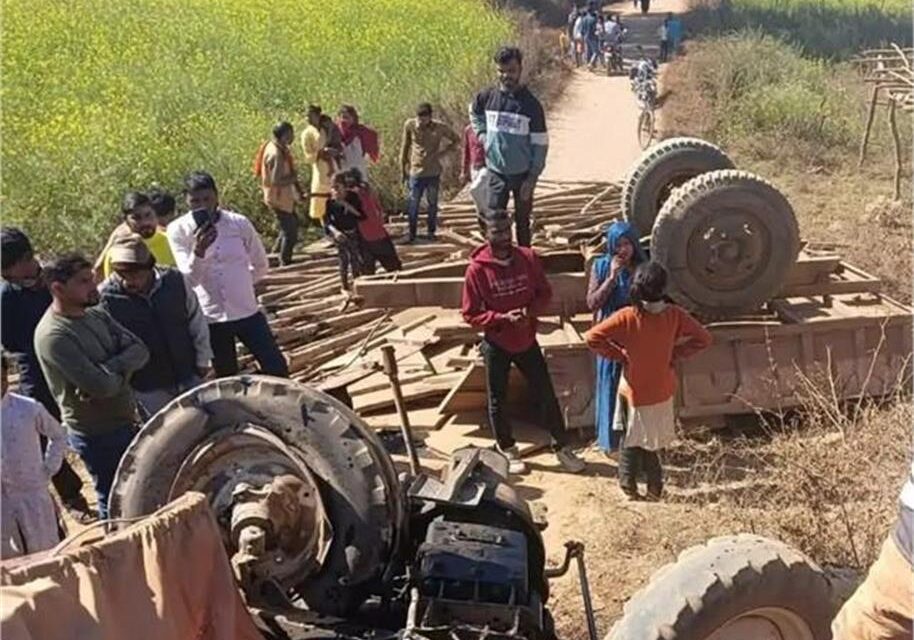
647	338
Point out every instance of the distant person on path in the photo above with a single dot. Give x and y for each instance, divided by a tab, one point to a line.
607	292
577	38
473	168
663	32
674	32
275	167
222	257
591	42
163	203
360	143
88	360
32	444
511	123
425	142
24	299
320	157
647	338
343	216
138	218
505	290
157	306
376	244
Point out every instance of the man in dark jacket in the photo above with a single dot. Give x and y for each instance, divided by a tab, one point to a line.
504	291
511	123
158	307
24	297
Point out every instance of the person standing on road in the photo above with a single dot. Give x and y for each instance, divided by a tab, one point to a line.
511	124
577	38
425	142
591	42
32	447
320	157
157	306
24	299
647	338
139	218
360	143
607	292
88	360
275	167
222	257
505	290
663	32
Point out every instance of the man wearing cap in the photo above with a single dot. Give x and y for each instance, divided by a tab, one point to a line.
157	305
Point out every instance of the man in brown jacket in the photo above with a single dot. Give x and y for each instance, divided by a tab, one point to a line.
281	190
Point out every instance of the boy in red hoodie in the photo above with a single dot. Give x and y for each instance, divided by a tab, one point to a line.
504	291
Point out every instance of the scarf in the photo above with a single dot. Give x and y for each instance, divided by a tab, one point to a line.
367	136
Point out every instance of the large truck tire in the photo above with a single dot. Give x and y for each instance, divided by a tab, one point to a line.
728	240
661	169
736	587
253	429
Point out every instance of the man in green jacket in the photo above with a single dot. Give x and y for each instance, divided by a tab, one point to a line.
88	360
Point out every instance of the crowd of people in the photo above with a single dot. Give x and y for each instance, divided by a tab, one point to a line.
591	37
100	346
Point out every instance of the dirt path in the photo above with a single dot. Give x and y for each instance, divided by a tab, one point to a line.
592	133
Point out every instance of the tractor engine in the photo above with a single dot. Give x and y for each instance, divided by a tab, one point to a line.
478	568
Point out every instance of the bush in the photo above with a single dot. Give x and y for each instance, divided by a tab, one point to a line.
104	96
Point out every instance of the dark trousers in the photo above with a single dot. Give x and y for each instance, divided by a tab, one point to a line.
633	461
255	334
349	252
501	188
288	234
101	455
382	251
664	50
532	365
419	186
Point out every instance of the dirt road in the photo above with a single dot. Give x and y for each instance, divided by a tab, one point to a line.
592	134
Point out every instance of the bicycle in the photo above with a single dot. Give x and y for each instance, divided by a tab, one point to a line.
646	94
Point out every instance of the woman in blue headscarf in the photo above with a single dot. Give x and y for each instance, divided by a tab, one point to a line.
607	291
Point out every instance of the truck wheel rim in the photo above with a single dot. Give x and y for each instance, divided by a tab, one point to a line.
726	251
766	623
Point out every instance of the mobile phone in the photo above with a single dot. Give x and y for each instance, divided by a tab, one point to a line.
202	217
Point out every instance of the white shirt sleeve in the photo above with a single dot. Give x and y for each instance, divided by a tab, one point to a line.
181	239
257	254
198	328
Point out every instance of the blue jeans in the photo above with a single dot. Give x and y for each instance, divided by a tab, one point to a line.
418	186
255	334
101	455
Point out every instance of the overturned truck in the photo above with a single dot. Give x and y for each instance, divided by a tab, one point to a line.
786	315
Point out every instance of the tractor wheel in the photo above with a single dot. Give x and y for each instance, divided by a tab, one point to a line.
252	429
728	240
661	169
732	588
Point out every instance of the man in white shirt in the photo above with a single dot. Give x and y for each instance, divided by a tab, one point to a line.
222	257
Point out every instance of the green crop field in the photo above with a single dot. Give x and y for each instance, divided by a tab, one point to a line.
103	96
823	28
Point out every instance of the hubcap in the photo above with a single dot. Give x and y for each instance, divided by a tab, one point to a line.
728	250
767	623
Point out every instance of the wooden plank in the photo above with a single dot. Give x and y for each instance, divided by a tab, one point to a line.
421	419
430	387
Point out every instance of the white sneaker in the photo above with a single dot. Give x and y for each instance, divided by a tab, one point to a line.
569	460
515	464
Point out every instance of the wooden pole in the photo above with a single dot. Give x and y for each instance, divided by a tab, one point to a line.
869	125
390	368
897	140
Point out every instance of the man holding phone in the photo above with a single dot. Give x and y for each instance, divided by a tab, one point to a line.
222	257
504	290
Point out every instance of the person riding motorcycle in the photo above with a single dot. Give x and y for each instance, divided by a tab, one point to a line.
643	76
